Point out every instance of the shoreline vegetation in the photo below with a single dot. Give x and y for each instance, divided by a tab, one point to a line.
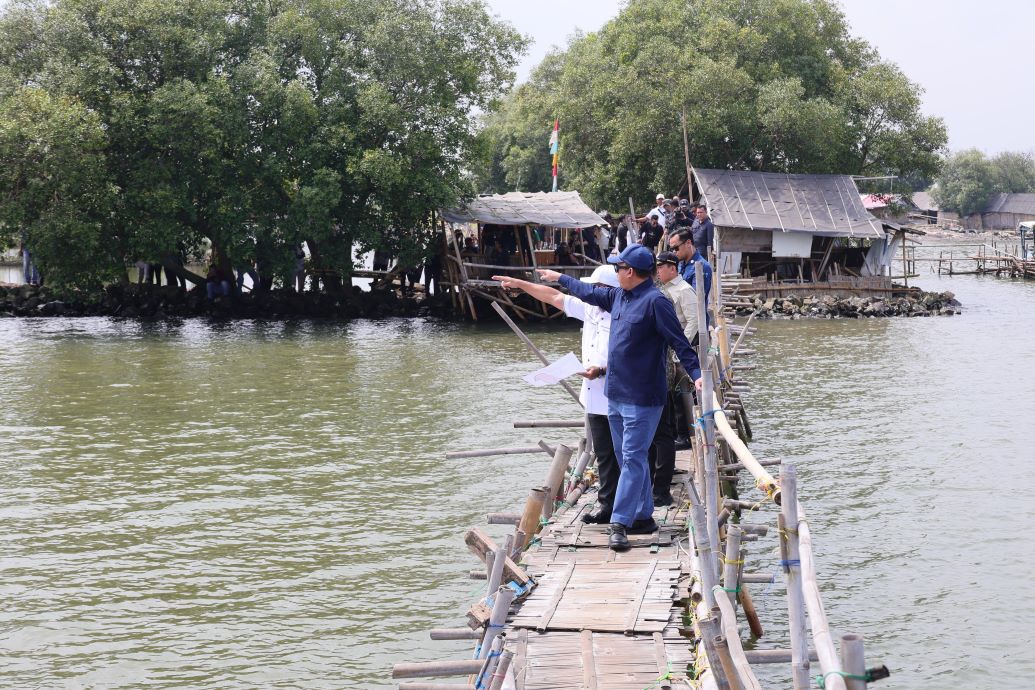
163	302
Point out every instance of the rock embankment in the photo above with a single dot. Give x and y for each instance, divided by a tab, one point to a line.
827	307
158	302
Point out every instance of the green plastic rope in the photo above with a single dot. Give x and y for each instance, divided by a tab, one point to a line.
821	681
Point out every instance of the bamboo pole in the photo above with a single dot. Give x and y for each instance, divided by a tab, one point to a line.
455	634
722	649
555	478
701	545
533	510
829	663
424	669
499	559
500	674
727	619
853	660
709	631
531	346
763	479
436	686
548	423
792	572
500	608
750	613
486	452
711	478
731	563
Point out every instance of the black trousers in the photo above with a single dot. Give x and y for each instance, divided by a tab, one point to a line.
661	458
607	463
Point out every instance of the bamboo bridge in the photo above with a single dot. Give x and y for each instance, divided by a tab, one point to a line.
561	610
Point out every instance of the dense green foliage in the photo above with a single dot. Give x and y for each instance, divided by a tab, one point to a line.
138	129
968	179
767	85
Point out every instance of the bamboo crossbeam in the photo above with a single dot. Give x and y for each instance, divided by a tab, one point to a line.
455	634
763	479
548	423
503	518
435	686
487	452
424	669
773	656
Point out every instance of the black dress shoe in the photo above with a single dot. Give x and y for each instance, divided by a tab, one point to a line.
600	516
643	526
618	540
683	443
662	500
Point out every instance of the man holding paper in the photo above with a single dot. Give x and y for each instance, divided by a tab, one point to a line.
643	323
596	330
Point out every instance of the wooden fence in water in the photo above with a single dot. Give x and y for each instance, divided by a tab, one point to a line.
561	610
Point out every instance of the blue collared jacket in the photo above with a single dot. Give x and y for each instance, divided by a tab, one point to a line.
643	326
686	269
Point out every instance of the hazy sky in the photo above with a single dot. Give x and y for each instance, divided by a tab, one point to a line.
975	60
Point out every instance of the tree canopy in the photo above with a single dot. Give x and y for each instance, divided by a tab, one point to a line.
136	129
969	178
776	85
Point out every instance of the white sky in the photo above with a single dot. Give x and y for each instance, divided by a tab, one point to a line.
975	60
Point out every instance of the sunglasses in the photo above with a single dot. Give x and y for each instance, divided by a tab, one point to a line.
621	267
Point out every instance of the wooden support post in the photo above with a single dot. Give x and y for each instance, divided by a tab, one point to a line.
709	631
480	544
500	555
700	539
727	619
500	608
500	674
533	510
722	649
731	563
754	622
792	572
555	478
853	660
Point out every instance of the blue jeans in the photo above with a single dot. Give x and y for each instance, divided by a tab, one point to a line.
632	428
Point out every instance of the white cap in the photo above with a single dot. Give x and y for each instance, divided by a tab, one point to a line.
659	196
605	275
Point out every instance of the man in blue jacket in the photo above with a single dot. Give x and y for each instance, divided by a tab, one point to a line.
682	243
643	326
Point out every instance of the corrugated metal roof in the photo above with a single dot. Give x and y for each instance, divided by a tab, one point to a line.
1011	203
827	205
552	209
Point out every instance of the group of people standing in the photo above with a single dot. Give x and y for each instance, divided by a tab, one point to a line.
640	326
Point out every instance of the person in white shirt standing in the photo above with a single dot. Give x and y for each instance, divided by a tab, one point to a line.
596	330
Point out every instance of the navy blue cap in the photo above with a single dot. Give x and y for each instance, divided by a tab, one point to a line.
636	255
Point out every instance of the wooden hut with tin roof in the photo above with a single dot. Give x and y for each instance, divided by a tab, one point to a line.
785	233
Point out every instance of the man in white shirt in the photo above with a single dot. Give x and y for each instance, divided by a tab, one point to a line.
596	331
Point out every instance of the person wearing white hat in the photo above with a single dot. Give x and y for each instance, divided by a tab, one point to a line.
596	331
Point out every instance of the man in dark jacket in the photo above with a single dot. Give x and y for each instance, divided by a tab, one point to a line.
643	326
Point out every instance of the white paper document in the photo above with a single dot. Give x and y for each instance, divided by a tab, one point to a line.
566	366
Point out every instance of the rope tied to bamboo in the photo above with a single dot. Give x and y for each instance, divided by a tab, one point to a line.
821	681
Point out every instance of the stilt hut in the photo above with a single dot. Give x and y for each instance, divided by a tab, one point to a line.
517	233
785	234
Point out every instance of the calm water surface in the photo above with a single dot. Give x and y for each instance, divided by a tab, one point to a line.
212	505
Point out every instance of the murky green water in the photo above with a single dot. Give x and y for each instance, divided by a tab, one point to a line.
208	505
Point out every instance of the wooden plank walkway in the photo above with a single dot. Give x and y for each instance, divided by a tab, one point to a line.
600	619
